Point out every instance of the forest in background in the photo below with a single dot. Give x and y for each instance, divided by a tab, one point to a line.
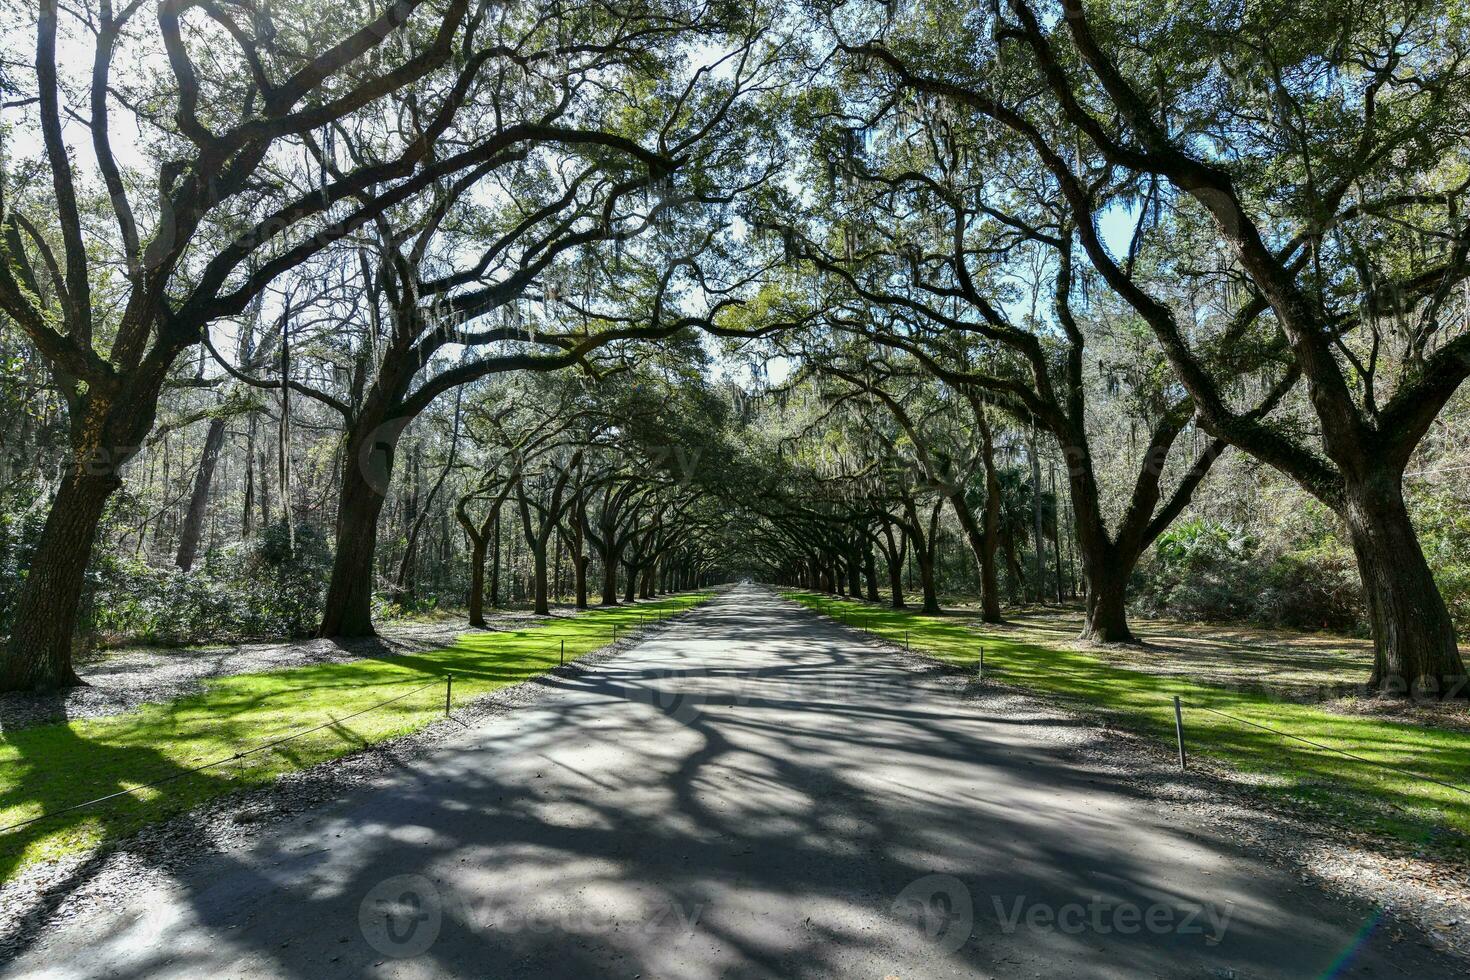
467	305
1250	549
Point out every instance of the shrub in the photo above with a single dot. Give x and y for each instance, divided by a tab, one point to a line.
21	521
1199	570
289	584
1444	532
1203	570
260	588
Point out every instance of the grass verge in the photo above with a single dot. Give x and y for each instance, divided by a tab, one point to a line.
1359	795
47	768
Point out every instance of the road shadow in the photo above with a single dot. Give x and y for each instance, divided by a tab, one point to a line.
753	794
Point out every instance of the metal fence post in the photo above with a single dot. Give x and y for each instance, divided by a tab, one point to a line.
1179	729
448	691
563	651
980	671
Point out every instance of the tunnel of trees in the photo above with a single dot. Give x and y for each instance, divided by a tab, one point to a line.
320	313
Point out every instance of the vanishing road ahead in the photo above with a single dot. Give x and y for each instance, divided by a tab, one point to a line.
755	792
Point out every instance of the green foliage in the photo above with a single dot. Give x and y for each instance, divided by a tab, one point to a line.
1203	570
1444	533
20	528
261	588
389	608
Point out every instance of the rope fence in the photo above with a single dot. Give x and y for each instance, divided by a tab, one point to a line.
1315	744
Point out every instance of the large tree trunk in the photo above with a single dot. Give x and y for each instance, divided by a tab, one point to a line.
870	572
480	538
1106	569
630	587
349	606
1414	646
1105	565
193	527
39	655
609	580
895	584
478	550
579	569
923	547
927	580
893	556
539	598
983	546
103	437
1107	598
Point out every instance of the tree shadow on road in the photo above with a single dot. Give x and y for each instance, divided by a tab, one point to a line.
790	803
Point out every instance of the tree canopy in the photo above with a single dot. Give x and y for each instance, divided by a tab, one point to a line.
347	310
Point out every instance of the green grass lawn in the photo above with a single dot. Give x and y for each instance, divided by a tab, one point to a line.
47	768
1345	791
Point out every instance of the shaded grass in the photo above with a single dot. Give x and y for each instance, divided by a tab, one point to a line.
1351	793
47	768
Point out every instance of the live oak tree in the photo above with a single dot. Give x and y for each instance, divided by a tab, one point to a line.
615	457
1299	135
839	484
213	207
948	434
936	280
489	489
518	262
1352	136
416	303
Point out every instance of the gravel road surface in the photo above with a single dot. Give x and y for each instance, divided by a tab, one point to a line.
755	792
